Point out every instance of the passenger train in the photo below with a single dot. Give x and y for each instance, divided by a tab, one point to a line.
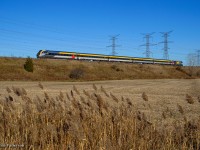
99	57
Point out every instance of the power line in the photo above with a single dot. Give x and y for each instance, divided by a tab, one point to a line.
147	36
166	35
30	39
114	38
46	29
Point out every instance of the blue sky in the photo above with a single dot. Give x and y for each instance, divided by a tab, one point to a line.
26	26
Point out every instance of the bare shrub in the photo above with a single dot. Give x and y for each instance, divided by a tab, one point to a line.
118	69
179	68
114	67
76	73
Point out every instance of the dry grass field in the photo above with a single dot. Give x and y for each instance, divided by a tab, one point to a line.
105	115
12	69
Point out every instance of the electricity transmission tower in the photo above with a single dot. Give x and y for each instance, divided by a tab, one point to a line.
114	38
198	57
192	59
166	35
148	44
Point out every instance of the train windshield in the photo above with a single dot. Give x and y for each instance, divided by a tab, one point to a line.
41	53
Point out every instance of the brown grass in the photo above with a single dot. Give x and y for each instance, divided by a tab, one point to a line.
114	97
88	120
55	70
76	90
144	96
180	109
189	99
86	93
104	91
8	90
40	85
94	87
129	102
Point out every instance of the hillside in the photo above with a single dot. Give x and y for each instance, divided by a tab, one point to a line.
11	69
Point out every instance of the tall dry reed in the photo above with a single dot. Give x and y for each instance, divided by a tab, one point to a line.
87	121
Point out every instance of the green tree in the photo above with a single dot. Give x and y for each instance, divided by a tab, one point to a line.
28	66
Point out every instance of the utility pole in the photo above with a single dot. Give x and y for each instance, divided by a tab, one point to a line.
148	44
166	35
114	38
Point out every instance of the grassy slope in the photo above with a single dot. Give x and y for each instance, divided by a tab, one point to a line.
49	70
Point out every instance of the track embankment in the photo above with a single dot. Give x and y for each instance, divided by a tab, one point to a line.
12	69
